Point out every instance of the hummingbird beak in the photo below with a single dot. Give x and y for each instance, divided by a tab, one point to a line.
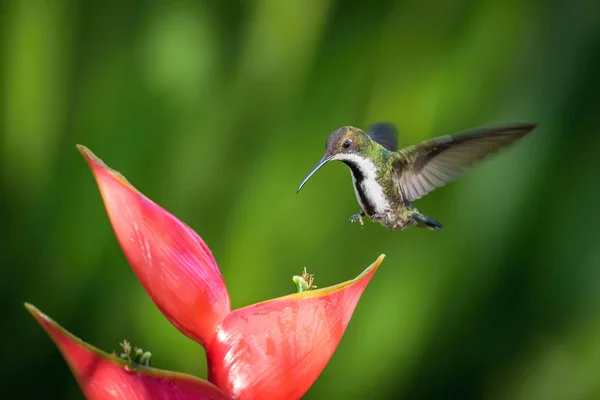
323	161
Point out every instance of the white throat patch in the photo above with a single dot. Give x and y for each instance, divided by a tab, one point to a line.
369	186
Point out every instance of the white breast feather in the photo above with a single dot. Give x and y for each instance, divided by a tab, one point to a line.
373	191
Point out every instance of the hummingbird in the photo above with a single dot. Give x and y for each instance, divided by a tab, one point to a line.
387	180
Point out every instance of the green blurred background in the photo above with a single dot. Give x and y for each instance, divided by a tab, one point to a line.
217	110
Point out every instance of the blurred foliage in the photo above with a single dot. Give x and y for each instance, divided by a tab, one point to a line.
217	109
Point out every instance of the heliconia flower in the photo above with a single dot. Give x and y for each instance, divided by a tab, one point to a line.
274	349
104	376
171	261
278	348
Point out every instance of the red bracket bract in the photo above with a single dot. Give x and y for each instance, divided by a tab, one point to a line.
275	349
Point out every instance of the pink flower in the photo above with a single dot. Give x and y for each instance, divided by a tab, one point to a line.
104	376
275	349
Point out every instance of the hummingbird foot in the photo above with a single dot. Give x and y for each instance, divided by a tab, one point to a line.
357	217
375	217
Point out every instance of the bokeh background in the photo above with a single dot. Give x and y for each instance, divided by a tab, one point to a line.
217	110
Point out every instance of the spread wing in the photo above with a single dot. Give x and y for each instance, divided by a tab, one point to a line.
436	162
385	134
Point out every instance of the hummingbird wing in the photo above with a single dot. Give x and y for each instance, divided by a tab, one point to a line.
385	134
434	163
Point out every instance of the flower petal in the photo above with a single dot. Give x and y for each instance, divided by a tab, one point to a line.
103	376
278	348
171	261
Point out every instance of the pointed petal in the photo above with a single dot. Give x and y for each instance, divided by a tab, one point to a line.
171	261
278	348
103	376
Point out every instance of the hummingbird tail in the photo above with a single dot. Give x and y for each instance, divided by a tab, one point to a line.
424	221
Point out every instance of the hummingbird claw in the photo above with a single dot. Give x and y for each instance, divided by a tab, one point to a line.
375	217
357	217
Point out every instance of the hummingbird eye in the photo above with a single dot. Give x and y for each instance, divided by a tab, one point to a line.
347	143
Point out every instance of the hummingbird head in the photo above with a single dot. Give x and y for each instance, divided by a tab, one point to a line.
345	140
343	144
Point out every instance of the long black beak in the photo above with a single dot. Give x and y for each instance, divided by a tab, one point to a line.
323	161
